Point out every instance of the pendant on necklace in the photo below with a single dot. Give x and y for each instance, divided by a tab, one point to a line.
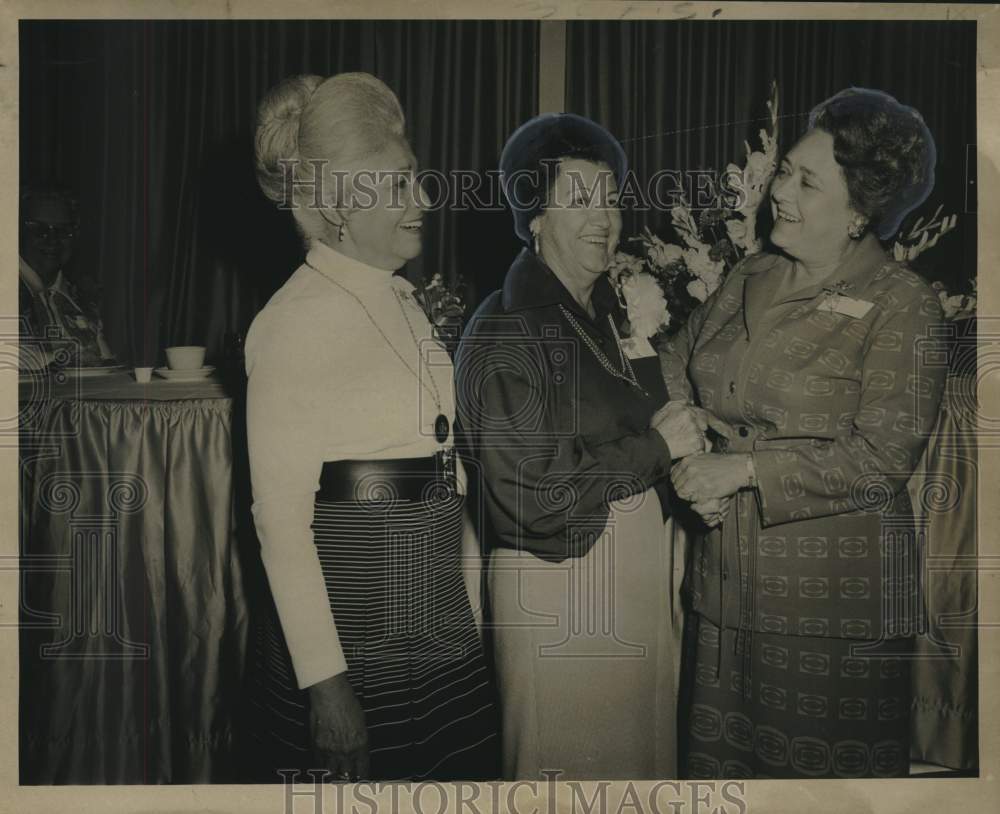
441	429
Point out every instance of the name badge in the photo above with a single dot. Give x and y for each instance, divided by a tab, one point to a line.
839	304
638	347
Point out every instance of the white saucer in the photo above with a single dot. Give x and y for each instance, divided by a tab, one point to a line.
185	375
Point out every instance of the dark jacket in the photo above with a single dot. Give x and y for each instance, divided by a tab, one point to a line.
550	436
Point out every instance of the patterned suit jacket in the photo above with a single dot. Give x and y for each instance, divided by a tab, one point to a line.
834	391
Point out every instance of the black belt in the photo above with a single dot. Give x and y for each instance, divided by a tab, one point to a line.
431	478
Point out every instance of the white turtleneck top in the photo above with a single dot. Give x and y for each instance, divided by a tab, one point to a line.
326	385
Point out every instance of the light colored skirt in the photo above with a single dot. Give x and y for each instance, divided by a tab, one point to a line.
587	652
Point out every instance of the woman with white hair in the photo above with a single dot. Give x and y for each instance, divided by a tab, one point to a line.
357	502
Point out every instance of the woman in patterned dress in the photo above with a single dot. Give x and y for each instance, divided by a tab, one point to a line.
805	599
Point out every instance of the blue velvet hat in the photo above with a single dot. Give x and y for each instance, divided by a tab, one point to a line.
533	151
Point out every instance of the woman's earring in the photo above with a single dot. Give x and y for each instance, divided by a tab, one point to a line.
856	229
534	228
340	233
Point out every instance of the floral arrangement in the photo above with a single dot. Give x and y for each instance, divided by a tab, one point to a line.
910	245
922	236
661	286
958	306
445	307
687	272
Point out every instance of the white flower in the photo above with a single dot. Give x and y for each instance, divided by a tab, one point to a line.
697	289
662	254
680	217
646	305
770	145
758	170
702	266
737	231
624	263
957	306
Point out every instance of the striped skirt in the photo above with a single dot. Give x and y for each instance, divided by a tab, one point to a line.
414	655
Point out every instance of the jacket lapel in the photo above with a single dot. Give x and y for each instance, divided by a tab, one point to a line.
851	278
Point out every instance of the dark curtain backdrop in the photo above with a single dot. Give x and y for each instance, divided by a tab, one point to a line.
685	96
151	125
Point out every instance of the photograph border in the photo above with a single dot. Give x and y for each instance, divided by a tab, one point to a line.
686	797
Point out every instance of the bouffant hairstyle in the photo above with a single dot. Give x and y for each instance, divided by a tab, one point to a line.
344	118
534	150
885	150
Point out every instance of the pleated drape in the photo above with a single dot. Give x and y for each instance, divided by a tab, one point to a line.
151	124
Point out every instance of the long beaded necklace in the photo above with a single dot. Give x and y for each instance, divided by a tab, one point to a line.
626	374
442	427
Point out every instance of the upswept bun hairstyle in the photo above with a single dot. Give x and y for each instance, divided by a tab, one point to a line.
340	119
885	150
278	117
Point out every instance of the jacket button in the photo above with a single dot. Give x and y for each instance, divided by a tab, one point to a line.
732	388
744	432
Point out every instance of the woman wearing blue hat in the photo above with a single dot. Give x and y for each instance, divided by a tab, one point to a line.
569	441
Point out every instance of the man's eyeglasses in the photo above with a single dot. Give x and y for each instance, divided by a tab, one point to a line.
47	231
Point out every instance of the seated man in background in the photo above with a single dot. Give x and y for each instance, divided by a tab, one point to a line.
56	313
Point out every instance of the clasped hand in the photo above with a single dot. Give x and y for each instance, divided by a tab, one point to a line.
708	481
684	427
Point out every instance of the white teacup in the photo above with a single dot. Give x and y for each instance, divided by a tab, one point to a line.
144	375
186	357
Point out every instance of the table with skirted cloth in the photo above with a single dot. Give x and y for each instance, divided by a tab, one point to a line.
133	618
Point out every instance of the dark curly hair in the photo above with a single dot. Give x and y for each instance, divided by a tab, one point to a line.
885	150
537	146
